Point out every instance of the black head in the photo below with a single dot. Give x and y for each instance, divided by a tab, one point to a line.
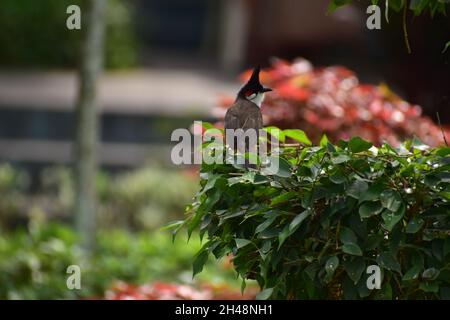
253	86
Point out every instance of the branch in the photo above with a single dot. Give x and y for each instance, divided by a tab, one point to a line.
442	129
405	29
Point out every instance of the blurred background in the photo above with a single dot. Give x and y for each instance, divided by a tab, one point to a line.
166	64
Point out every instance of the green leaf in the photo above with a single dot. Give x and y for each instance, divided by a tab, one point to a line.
418	6
444	177
324	141
284	234
277	133
429	286
368	209
260	179
295	223
391	200
282	170
243	285
263	226
357	189
298	135
347	235
207	125
331	148
341	158
172	225
363	291
283	198
388	261
212	179
372	193
352	249
447	45
354	267
335	4
396	5
414	225
357	144
241	242
338	177
430	274
331	265
199	262
265	294
443	151
385	293
412	274
233	214
392	218
349	289
431	180
269	233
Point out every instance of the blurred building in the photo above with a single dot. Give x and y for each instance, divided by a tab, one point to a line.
233	33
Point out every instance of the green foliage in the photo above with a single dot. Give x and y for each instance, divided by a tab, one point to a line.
33	262
13	184
35	35
150	196
144	198
312	233
418	7
335	4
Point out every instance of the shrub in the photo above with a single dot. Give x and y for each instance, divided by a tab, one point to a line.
331	100
310	230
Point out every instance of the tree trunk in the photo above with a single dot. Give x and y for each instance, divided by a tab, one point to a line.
87	126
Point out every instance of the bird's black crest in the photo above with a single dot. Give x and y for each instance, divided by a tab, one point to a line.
255	76
253	85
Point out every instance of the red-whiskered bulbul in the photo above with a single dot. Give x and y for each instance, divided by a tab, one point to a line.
245	113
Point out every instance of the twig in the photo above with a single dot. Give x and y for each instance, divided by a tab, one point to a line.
290	144
386	10
405	29
442	129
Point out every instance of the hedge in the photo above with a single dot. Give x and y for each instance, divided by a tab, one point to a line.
311	230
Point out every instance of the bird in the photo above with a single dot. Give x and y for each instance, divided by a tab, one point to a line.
245	113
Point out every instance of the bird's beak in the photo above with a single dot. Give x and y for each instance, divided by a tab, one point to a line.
266	90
